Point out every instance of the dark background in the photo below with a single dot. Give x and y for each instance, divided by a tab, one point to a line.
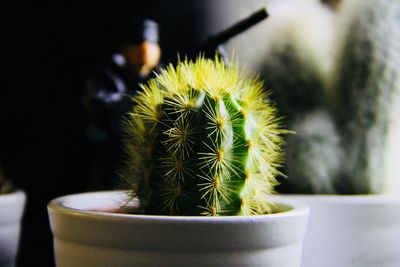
44	49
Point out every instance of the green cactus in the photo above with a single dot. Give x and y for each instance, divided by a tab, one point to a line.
203	139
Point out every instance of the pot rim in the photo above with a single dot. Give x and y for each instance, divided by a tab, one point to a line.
63	205
15	195
348	199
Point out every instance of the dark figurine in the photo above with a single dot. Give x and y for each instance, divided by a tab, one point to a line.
107	90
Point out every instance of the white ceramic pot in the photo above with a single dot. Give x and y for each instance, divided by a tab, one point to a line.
351	231
11	211
83	237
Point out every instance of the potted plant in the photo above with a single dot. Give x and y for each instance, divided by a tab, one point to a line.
343	160
12	204
202	139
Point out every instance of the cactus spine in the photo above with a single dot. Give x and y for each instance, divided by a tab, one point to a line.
203	139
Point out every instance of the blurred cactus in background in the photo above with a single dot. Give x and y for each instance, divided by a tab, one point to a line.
203	139
297	61
336	78
366	80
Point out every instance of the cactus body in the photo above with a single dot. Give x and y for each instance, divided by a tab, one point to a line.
367	80
312	155
203	139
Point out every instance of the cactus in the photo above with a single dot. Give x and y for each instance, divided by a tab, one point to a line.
312	155
367	81
296	55
203	139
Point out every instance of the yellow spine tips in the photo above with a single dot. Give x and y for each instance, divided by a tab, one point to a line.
244	113
247	175
242	204
219	155
213	211
216	183
220	122
189	105
250	144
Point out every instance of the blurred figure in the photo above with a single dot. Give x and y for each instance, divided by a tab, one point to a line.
108	89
